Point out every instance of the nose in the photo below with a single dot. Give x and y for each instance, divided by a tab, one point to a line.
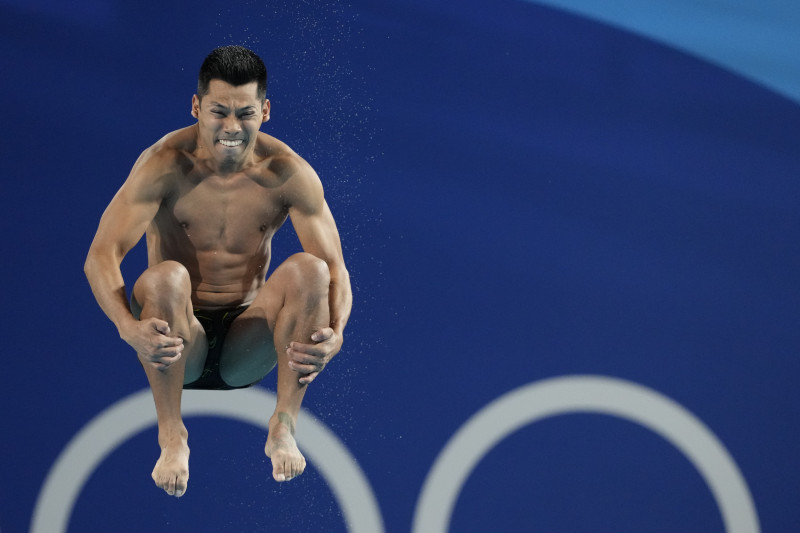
231	124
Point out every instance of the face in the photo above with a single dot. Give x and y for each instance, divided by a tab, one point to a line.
229	118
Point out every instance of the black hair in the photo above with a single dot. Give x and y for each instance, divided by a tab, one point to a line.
235	65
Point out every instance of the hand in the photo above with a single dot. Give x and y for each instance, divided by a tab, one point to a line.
153	342
308	360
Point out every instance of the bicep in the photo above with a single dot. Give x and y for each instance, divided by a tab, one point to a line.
313	222
123	223
317	232
129	213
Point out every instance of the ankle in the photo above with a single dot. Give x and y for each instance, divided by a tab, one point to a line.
282	420
173	435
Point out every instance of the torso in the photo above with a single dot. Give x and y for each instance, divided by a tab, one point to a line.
220	226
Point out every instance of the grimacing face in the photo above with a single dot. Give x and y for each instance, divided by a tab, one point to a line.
229	117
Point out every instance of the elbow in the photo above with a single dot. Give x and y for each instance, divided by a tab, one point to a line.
339	273
88	265
92	263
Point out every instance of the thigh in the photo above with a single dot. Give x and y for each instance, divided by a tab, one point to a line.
195	351
248	352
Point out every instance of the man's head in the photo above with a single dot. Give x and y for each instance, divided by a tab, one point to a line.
230	104
235	65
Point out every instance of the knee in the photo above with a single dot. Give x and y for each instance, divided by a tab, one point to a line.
307	272
166	280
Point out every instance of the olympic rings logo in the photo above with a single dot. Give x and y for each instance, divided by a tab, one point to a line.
515	409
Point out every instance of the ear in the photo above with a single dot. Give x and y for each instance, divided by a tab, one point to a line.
196	106
265	111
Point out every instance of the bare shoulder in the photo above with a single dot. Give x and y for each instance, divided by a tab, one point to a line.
169	152
281	159
158	166
300	184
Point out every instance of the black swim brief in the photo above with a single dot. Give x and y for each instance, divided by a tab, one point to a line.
216	323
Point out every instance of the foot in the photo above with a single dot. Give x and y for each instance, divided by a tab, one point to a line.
171	472
281	448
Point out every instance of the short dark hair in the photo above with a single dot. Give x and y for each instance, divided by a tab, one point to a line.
235	65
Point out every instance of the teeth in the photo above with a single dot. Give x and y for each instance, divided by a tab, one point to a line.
230	144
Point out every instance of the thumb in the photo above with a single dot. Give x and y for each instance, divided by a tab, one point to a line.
161	326
322	334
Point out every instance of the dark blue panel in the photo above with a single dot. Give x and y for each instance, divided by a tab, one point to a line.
521	193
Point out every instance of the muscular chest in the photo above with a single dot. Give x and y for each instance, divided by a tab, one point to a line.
232	214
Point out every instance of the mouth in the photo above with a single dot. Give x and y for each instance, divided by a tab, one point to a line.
230	143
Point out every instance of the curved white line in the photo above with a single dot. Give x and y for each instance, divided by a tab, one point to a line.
758	39
583	394
133	414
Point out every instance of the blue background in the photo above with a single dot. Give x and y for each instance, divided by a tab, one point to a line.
522	192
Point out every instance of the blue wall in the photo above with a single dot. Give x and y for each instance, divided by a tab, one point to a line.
523	194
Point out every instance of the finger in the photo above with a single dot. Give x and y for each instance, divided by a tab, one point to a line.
300	350
303	368
305	358
305	380
161	366
171	347
164	362
306	368
160	326
170	358
167	353
322	335
170	341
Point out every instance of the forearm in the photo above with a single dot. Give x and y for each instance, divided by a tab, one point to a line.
108	287
340	298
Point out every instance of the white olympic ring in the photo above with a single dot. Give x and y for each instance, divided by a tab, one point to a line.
583	394
133	414
493	423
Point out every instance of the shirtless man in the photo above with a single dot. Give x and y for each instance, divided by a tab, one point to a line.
209	198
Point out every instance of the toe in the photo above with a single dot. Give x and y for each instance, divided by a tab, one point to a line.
170	488
278	472
180	487
298	466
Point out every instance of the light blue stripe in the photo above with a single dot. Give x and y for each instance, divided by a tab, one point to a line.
758	39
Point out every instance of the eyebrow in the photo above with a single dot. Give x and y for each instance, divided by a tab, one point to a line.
245	108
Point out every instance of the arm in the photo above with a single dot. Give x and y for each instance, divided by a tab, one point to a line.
316	229
318	236
122	225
